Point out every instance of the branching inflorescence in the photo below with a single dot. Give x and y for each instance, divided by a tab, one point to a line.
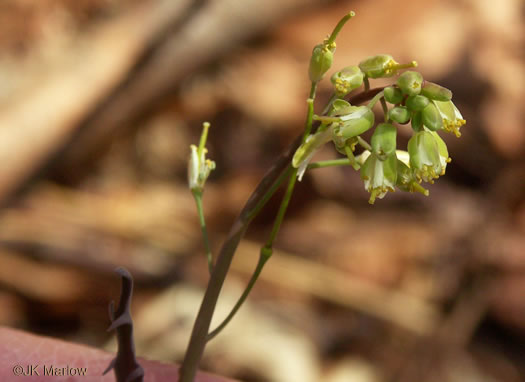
426	106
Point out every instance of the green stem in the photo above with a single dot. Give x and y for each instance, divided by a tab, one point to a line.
351	158
263	258
364	144
385	109
267	249
376	98
204	137
340	26
325	119
263	191
367	83
329	163
197	195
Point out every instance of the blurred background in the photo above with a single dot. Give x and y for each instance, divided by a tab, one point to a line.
99	102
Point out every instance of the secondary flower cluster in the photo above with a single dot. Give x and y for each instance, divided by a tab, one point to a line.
425	105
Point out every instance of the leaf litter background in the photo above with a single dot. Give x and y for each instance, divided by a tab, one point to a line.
99	101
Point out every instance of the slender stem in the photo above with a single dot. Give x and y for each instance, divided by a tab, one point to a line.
197	195
364	144
310	112
204	137
340	26
325	119
329	104
385	109
351	158
329	163
267	249
263	258
374	100
367	83
254	204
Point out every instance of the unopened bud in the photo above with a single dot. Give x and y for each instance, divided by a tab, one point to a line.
432	118
410	82
393	95
321	61
384	140
436	92
399	114
346	80
416	102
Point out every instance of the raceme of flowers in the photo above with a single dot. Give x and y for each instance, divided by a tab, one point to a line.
425	105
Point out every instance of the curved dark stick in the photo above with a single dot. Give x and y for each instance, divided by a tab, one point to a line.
125	364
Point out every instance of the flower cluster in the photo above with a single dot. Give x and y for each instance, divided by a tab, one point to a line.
425	105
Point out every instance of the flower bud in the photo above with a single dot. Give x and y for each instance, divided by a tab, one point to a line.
382	65
399	114
410	82
379	176
393	95
436	92
452	118
306	151
384	140
425	160
432	118
416	121
339	107
416	102
358	120
321	61
346	80
199	168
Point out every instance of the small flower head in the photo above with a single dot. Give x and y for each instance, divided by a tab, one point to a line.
382	65
452	118
357	120
425	158
199	168
321	60
346	80
393	95
379	176
410	82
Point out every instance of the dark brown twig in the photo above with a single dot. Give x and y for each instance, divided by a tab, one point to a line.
126	367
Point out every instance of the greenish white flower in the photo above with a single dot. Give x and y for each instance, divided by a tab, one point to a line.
306	151
357	120
382	65
346	80
199	168
321	60
452	118
379	176
425	158
410	82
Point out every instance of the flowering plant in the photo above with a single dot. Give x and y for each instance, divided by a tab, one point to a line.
426	106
